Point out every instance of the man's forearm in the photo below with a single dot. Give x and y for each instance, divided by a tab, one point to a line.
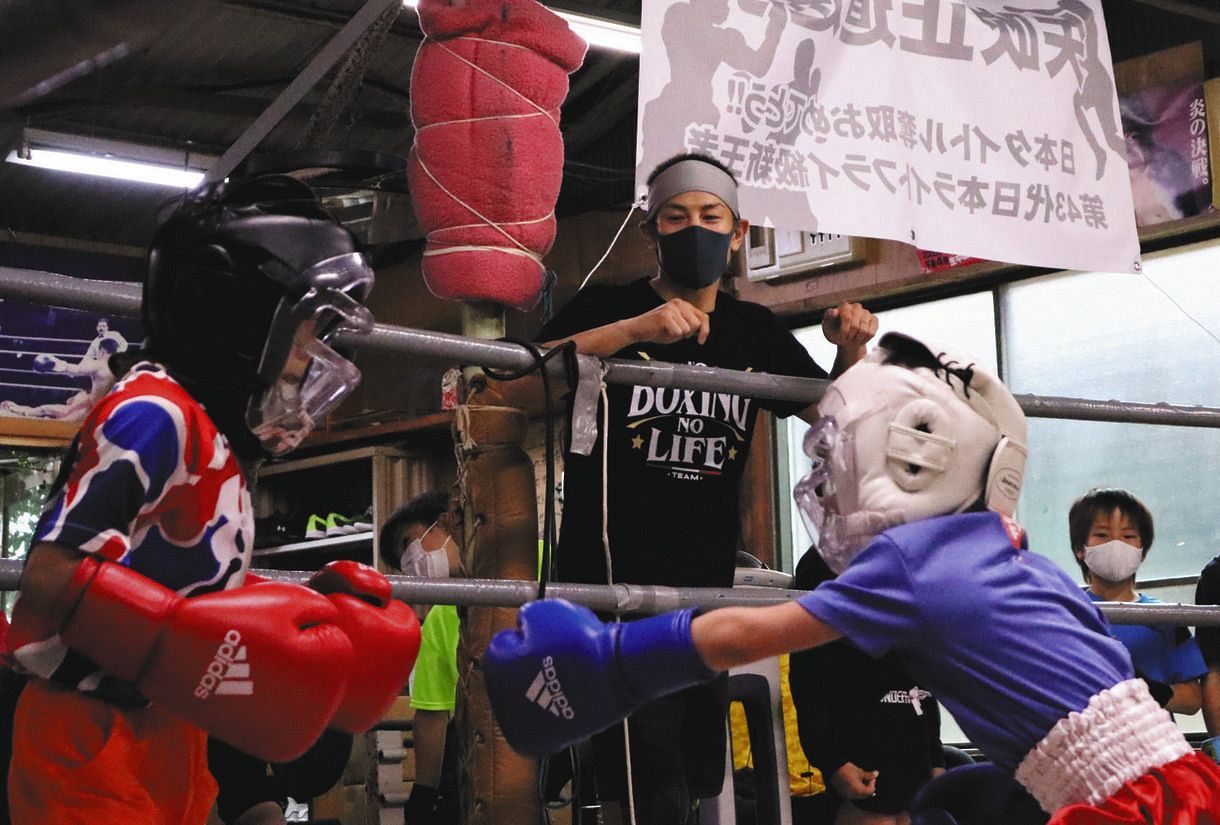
602	341
1187	698
847	356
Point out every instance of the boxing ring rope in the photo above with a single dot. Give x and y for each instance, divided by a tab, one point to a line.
641	598
124	298
638	598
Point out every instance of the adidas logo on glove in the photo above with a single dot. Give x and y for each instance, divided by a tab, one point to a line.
546	692
228	674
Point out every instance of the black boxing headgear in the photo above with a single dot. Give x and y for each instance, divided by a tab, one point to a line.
230	271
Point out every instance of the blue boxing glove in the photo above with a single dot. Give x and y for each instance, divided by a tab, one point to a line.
565	675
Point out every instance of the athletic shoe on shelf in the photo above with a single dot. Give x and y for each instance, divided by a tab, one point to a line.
364	522
338	524
315	528
274	531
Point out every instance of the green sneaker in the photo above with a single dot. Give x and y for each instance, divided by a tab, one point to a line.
315	528
338	524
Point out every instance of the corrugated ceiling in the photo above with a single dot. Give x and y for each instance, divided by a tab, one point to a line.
213	67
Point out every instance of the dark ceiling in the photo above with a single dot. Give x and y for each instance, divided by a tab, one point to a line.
202	71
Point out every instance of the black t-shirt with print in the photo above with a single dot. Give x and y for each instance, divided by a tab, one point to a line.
675	456
851	707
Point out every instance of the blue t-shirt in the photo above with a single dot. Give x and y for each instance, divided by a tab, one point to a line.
1002	636
1161	652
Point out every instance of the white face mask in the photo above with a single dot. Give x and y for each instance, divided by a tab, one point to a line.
416	561
1114	561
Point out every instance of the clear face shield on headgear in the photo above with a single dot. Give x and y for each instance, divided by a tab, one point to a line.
827	495
304	377
906	434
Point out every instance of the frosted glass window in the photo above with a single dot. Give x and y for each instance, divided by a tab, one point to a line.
1130	338
1171	469
966	322
1151	337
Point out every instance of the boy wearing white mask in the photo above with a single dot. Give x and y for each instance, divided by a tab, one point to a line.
418	539
1111	532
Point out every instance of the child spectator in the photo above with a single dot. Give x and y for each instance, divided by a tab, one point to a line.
1111	532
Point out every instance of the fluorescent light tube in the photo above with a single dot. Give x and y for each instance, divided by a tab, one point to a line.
106	167
606	34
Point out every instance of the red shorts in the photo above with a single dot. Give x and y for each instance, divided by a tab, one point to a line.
1184	792
80	760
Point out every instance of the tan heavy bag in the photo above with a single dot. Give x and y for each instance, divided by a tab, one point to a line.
498	786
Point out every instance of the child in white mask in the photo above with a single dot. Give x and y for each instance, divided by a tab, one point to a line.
418	560
417	540
422	539
1111	532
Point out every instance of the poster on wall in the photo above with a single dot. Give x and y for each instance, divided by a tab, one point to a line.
1165	129
54	361
987	128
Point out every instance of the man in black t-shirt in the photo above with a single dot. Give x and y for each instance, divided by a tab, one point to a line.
1207	591
675	457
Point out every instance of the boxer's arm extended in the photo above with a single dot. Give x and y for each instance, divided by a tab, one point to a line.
734	636
564	675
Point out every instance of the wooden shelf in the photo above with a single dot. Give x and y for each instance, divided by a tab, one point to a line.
293	463
36	432
316	545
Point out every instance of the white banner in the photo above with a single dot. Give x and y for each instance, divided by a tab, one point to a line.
987	128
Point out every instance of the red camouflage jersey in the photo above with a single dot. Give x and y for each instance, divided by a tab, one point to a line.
154	486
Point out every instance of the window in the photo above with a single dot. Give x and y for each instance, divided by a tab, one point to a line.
25	480
1143	338
1153	337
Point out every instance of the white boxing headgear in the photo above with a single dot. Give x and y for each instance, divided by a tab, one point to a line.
910	432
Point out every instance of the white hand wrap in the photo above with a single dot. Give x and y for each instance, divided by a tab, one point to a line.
1088	756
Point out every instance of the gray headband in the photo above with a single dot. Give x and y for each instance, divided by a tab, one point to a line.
692	176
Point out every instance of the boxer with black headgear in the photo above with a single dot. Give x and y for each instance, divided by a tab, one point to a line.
243	294
132	617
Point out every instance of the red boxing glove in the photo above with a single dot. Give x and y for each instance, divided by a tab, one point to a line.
262	668
384	633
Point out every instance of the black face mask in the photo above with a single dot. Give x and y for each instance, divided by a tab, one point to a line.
694	257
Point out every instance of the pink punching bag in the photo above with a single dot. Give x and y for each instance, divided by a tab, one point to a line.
487	163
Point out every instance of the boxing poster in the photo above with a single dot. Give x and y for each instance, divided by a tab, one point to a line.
1165	128
985	128
54	362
